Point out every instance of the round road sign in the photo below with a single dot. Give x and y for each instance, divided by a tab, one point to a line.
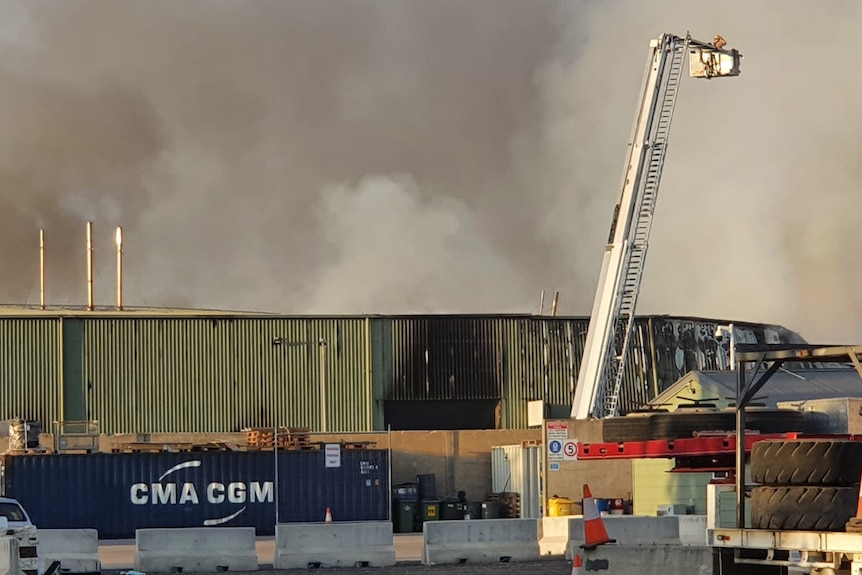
570	449
555	446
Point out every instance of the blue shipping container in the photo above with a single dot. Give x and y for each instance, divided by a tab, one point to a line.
117	493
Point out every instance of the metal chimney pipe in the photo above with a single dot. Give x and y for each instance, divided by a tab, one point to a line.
542	303
554	304
42	268
90	266
119	240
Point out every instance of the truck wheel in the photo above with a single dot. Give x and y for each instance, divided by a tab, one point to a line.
806	462
803	508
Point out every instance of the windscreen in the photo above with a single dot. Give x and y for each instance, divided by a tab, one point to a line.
12	512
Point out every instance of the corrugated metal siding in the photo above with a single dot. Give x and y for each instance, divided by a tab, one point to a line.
119	493
542	357
637	387
540	360
686	344
445	357
216	375
30	369
515	468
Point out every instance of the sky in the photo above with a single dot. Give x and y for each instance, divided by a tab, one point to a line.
407	156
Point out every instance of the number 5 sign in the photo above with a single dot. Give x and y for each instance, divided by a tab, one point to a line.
570	450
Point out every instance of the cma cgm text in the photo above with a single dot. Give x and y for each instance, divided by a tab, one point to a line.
187	493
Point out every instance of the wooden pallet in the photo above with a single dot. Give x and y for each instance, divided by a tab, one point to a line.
511	502
359	445
216	446
264	439
35	451
152	447
309	447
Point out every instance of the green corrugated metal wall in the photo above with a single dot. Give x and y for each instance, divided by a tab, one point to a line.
138	373
540	362
216	375
30	369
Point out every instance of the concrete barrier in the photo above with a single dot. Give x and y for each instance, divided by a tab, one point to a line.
195	549
648	560
9	556
554	535
692	530
77	550
485	541
359	543
643	530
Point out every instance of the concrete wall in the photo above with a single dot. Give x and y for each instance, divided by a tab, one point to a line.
607	479
461	460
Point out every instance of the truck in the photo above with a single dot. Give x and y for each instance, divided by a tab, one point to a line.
804	494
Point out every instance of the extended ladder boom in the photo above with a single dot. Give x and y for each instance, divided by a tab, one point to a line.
602	365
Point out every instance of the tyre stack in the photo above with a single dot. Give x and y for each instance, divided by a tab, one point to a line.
805	485
687	422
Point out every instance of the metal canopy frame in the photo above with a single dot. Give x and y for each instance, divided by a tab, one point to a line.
773	357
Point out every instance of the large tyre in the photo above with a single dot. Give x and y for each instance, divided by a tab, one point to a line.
678	425
802	508
806	462
774	420
627	428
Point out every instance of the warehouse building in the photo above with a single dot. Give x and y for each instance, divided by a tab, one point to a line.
180	371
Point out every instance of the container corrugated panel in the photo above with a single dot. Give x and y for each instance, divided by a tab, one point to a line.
444	358
515	468
119	493
30	369
214	375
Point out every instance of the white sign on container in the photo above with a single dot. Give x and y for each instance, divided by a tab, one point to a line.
332	455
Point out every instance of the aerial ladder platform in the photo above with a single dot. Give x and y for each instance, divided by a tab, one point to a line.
600	378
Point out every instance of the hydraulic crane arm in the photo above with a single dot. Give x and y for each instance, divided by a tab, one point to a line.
602	365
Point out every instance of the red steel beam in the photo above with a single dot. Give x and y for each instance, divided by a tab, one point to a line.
667	448
691	446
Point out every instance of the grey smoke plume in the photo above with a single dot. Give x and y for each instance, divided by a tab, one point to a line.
414	156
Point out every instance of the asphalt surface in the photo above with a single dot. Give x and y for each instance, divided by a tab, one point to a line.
543	567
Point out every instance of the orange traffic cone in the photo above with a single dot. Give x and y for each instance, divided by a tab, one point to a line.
595	532
854	525
328	515
577	565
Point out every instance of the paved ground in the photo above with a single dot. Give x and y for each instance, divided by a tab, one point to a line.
543	567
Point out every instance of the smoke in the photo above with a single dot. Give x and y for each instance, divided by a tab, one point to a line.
397	157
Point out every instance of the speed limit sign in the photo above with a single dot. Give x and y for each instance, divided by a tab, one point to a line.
570	449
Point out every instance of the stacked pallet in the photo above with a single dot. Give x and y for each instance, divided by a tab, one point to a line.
511	503
172	447
285	438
